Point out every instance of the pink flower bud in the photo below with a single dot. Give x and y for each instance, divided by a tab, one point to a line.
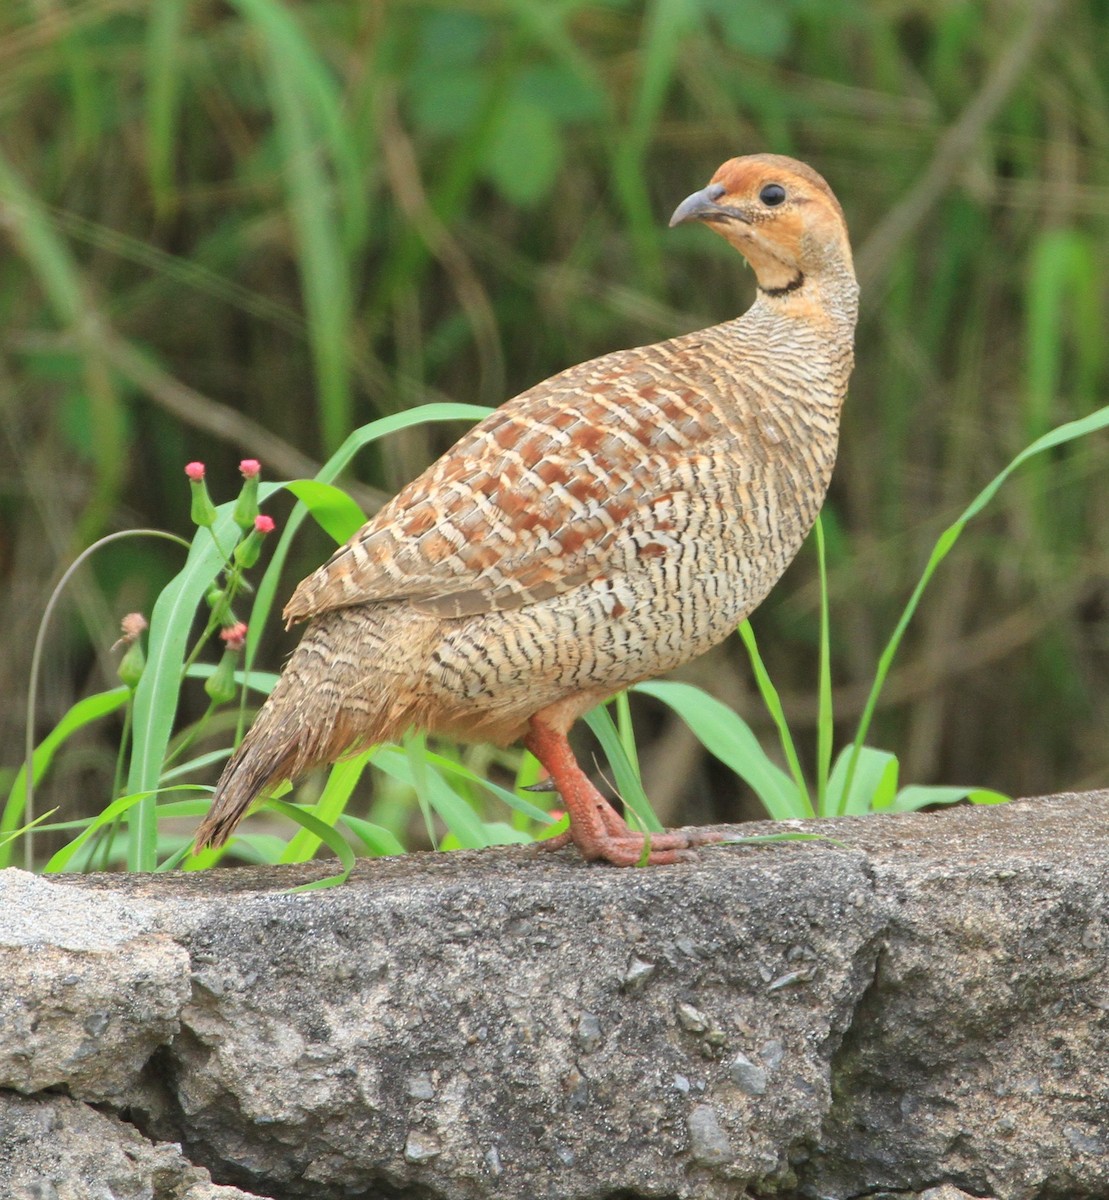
263	524
132	625
234	636
250	467
195	471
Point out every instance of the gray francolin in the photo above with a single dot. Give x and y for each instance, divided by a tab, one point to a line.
601	528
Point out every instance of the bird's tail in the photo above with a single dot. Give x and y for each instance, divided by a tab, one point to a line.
319	709
252	769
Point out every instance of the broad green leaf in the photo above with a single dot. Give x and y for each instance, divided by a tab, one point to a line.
873	782
449	767
725	734
914	797
376	838
331	508
499	833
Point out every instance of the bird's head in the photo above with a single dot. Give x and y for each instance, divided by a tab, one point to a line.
779	214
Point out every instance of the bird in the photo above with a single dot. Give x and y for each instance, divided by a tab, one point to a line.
602	528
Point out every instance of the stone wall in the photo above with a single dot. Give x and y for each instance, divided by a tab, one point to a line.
917	1008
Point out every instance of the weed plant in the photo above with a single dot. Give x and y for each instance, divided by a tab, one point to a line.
228	543
250	228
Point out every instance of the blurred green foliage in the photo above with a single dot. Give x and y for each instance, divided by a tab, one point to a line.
247	227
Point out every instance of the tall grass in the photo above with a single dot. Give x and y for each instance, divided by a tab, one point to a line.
314	215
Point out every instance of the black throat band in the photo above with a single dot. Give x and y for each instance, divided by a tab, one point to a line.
796	282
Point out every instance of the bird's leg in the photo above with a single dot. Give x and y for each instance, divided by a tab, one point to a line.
595	828
613	822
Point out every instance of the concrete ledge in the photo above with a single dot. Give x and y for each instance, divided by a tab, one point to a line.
920	1007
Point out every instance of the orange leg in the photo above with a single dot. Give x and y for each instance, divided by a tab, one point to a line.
595	827
613	822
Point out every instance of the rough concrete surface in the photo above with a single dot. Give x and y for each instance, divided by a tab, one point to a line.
54	1148
917	1009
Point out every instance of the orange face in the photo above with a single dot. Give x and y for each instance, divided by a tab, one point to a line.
778	213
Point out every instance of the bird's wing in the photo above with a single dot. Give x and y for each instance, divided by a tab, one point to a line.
537	498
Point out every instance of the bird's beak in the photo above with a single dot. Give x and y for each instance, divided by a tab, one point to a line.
702	206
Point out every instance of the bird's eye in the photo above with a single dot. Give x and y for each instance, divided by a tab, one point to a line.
772	195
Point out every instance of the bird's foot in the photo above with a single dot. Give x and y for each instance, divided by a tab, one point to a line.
630	849
610	840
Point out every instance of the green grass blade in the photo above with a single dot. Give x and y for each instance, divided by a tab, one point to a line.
341	781
36	655
328	836
773	704
156	696
825	726
629	786
201	763
626	729
1062	275
45	253
115	810
448	766
317	92
163	61
664	27
262	682
459	818
11	835
1059	436
83	713
310	132
60	279
499	833
321	259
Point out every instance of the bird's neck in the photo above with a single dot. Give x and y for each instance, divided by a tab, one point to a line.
827	301
807	332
